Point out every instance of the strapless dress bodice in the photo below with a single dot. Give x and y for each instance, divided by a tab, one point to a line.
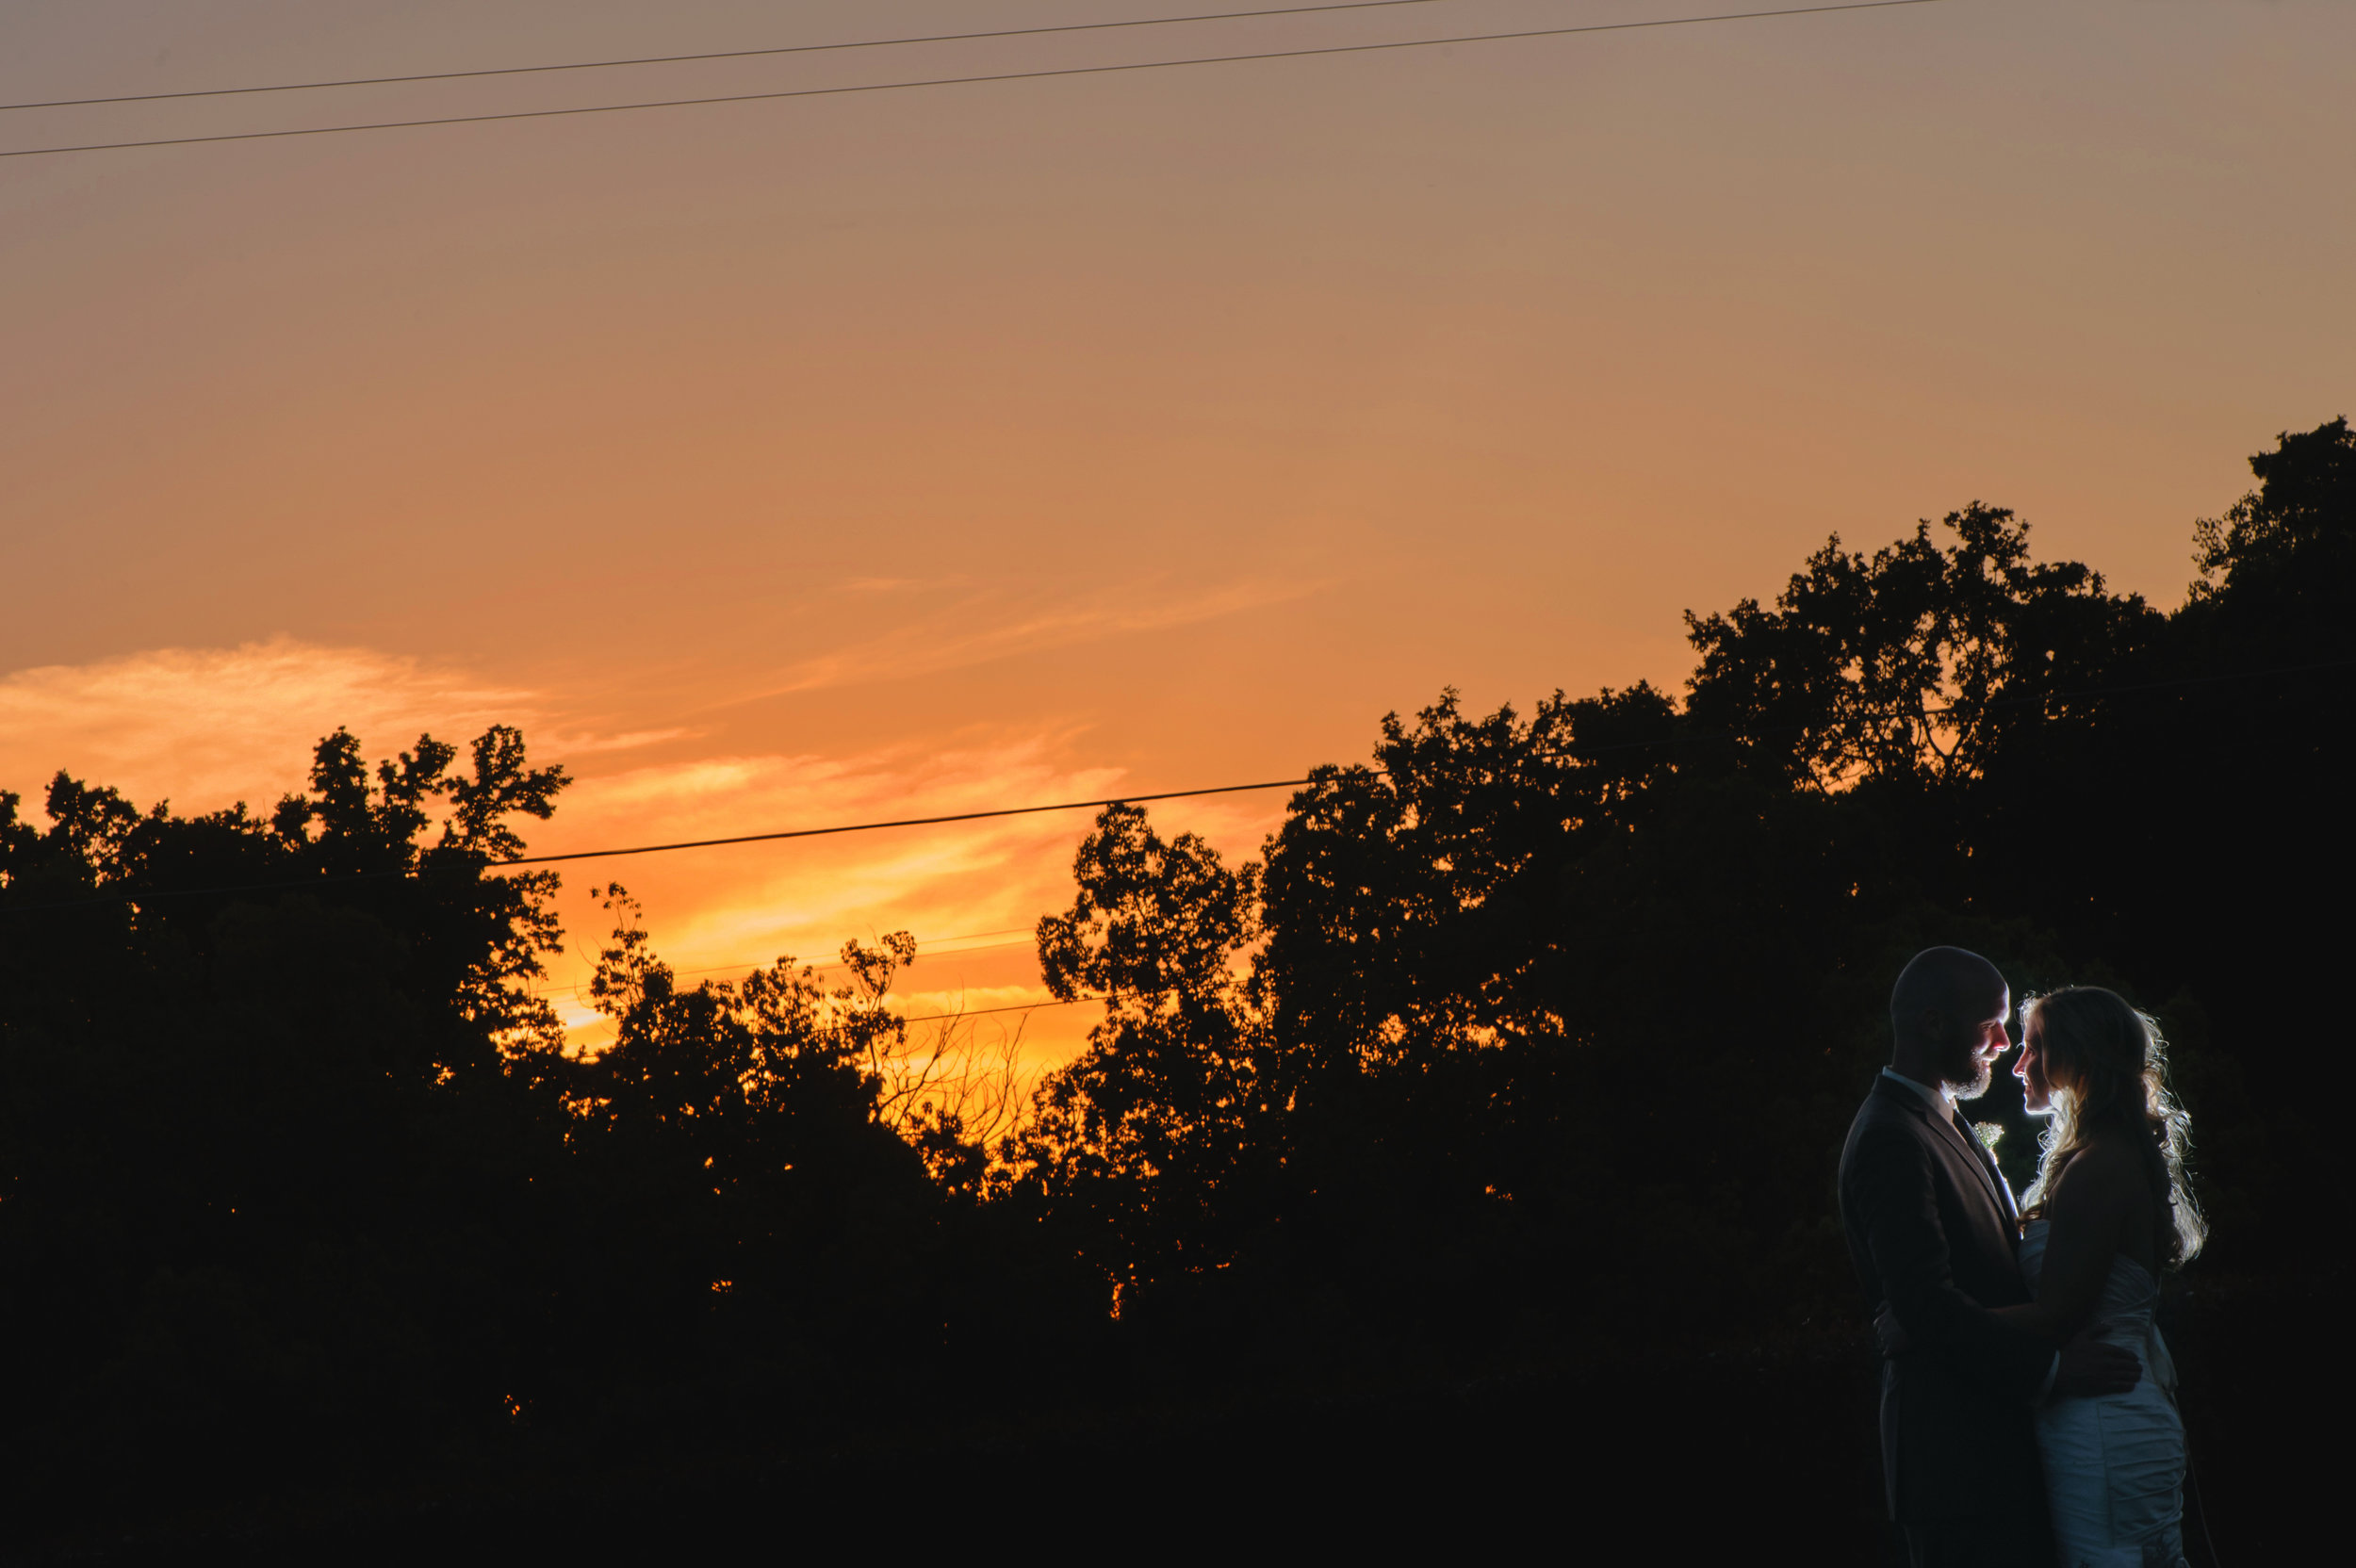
2127	1308
2115	1463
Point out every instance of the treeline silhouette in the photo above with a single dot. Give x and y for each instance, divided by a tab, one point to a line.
1518	1059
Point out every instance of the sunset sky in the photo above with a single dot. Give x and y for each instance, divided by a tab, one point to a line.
783	463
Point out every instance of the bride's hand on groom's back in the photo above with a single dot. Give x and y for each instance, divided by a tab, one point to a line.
2091	1367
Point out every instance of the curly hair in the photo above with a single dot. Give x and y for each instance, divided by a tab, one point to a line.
2106	1065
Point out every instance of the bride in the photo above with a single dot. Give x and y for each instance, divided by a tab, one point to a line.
2109	1210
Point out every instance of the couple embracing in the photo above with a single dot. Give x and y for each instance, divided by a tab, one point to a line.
2028	1410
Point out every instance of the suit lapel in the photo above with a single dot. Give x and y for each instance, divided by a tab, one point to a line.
1947	1126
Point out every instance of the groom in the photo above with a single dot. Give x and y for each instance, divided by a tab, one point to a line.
1935	1235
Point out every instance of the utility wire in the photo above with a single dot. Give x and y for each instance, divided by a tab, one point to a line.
574	988
903	822
720	54
961	81
985	1012
423	873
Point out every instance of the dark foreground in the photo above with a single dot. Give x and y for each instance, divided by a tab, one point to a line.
1730	1456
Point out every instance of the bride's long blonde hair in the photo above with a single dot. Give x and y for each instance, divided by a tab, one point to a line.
2106	1066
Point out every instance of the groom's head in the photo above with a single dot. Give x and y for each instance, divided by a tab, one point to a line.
1947	1013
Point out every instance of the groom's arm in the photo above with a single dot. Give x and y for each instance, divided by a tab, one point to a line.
1890	1191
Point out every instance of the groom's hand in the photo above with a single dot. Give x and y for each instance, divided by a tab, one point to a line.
2089	1366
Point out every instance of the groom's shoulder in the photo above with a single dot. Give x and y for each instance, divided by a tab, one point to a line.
1886	1102
1884	1115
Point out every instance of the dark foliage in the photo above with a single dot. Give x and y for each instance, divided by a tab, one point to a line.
1523	1051
1551	1021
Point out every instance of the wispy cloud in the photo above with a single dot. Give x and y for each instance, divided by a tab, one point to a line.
966	633
205	727
881	584
557	743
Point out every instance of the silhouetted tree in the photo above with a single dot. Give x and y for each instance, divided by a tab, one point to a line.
265	1160
1152	1132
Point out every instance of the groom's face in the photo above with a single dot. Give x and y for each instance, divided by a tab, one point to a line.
1972	1062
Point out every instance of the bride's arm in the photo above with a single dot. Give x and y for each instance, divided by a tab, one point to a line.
2089	1208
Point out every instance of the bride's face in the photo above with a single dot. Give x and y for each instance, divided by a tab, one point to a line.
2036	1094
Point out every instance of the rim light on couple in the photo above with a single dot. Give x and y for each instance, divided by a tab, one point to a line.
2028	1410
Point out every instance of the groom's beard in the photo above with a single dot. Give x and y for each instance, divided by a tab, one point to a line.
1969	1077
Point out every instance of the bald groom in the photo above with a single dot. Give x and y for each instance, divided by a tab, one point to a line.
1935	1234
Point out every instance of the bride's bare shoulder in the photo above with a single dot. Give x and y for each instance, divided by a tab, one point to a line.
2105	1170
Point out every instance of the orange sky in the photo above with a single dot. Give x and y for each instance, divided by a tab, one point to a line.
784	464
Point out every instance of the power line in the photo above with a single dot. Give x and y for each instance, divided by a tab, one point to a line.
963	81
985	1012
903	822
422	872
575	987
719	54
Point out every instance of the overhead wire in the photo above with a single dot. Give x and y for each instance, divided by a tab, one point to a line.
1038	74
1011	1007
574	988
722	55
985	1012
423	873
902	821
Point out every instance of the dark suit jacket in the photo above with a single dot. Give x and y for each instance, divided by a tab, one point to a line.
1935	1234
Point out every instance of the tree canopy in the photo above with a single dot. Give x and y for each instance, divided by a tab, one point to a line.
1532	1032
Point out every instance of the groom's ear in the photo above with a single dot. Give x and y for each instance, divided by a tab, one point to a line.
1925	1026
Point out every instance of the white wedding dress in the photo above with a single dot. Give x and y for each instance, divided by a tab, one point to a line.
2115	1465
